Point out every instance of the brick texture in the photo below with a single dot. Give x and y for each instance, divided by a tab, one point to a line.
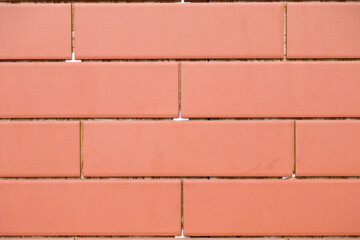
327	148
159	120
323	30
39	149
91	207
202	148
271	89
148	31
45	90
35	31
271	207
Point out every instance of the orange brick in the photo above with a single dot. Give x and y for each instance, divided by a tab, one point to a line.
270	89
271	207
323	30
328	148
90	207
39	149
195	148
115	89
202	30
35	31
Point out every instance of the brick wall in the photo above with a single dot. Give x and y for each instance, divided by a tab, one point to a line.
188	120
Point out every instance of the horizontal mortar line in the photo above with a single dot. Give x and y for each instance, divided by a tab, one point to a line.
159	1
133	178
172	119
87	236
190	60
272	118
282	236
188	178
30	60
170	236
185	60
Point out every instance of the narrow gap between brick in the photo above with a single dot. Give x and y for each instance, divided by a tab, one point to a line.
179	118
180	178
179	89
169	119
293	152
155	1
294	149
78	237
73	59
182	207
190	60
285	31
81	150
72	31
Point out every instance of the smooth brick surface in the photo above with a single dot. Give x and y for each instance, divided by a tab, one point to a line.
201	30
201	148
273	89
271	207
90	207
39	149
35	31
328	148
323	30
88	90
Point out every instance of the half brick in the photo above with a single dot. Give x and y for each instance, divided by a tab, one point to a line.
90	207
328	148
43	90
35	31
39	149
323	30
195	148
201	30
271	207
270	89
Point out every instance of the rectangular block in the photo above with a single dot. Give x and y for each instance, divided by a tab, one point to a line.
270	89
195	148
328	148
92	89
90	207
39	149
323	30
271	207
201	30
35	31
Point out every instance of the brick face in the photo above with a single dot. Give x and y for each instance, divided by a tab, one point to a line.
323	30
202	148
35	31
39	149
231	30
271	207
158	120
90	207
270	89
327	148
38	90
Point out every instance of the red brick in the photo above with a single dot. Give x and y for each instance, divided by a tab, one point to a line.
271	207
113	89
270	89
35	31
90	207
328	148
195	148
39	149
323	30
202	30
